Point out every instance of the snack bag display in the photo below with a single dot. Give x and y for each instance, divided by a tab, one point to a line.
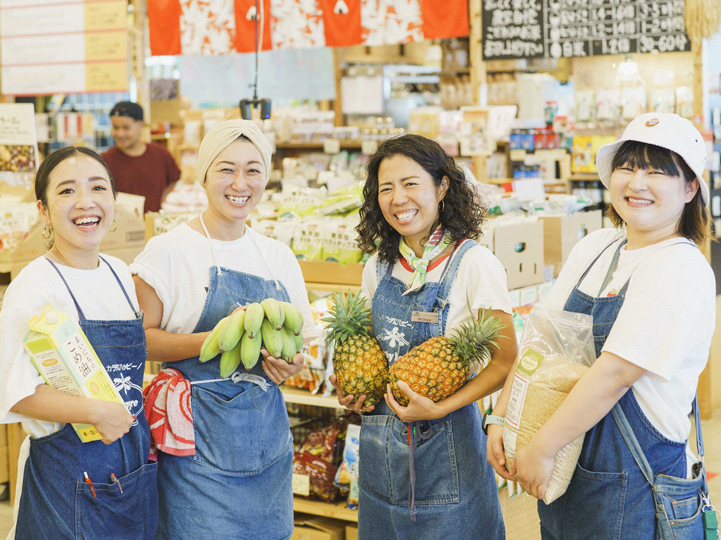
556	350
347	475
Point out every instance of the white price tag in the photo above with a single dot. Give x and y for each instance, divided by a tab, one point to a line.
331	146
368	148
301	484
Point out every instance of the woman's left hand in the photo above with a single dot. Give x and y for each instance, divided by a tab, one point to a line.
533	468
278	370
418	408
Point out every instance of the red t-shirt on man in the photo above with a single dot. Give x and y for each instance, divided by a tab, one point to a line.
147	175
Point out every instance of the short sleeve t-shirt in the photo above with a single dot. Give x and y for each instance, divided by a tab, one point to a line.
177	266
665	324
480	283
147	175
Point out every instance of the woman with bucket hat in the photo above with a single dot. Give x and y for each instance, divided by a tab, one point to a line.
651	294
226	472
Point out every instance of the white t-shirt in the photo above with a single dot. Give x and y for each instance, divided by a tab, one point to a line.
100	297
479	284
177	266
665	324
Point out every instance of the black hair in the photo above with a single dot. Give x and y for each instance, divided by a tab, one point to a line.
694	221
42	179
461	213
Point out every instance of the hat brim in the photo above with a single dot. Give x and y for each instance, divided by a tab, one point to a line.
604	163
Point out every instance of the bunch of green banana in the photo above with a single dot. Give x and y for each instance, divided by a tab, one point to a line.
239	337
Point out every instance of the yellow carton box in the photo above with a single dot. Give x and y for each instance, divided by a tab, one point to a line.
64	357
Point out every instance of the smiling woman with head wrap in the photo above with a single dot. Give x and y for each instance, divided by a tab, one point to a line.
230	475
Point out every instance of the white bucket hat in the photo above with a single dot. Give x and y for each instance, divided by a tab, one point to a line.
666	130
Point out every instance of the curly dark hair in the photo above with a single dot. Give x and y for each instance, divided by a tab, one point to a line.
462	210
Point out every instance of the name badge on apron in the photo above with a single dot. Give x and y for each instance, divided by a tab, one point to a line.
424	316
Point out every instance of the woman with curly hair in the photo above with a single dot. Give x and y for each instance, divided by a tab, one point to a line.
425	279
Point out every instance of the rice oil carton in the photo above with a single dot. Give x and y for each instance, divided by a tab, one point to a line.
64	357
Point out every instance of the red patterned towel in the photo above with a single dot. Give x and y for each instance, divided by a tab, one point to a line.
167	409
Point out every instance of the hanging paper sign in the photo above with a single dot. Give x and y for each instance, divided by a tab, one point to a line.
63	46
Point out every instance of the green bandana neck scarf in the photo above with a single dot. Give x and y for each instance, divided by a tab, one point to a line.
438	241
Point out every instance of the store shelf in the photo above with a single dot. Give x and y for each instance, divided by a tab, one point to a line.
331	510
344	143
303	397
332	287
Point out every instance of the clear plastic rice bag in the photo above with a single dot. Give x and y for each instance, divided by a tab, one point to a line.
556	350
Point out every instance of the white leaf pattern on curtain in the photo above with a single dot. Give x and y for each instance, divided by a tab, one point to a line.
207	27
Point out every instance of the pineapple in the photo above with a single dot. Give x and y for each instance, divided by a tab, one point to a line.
359	363
440	366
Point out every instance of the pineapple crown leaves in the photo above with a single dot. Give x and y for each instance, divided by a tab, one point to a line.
347	317
474	340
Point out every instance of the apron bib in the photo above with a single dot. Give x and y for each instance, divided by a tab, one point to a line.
454	490
55	501
608	496
238	483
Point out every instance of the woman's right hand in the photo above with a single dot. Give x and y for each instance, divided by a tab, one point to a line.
111	419
347	401
494	451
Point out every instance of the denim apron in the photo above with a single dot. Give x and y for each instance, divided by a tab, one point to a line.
609	497
454	486
238	483
55	502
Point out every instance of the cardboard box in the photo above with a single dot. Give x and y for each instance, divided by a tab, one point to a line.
64	357
561	233
130	223
332	272
351	532
129	236
317	528
519	247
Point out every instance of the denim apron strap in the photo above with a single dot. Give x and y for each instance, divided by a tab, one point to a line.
635	447
77	306
137	312
414	427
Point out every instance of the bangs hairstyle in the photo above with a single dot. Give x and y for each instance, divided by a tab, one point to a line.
462	214
52	160
694	221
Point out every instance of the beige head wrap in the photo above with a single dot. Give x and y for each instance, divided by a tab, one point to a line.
221	135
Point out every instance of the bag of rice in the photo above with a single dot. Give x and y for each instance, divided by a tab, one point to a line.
556	350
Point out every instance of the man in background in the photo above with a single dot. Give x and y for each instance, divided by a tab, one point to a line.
140	168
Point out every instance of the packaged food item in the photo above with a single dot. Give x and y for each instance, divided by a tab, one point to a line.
347	475
66	361
339	239
556	350
315	463
308	240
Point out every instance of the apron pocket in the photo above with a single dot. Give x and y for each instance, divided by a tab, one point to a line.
678	507
242	435
436	468
594	505
384	467
113	514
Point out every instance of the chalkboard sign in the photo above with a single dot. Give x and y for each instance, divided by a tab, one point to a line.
572	28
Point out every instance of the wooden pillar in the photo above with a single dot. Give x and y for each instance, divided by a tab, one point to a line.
338	103
478	74
136	59
705	398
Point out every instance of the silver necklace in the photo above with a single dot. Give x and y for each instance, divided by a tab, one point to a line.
54	257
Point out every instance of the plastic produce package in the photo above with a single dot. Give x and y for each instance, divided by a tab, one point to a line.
556	350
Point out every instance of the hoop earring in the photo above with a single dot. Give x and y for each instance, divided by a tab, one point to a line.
441	206
47	232
114	226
